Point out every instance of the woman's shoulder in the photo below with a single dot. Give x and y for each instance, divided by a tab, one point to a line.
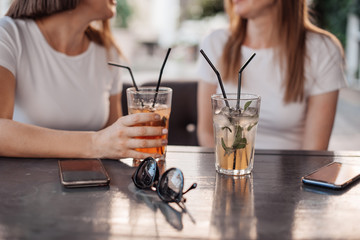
218	33
13	27
6	21
11	24
8	24
325	63
323	43
216	36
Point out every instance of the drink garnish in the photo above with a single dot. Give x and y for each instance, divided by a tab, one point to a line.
247	104
239	142
228	150
251	126
226	127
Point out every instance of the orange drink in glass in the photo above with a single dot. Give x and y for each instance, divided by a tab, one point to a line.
148	100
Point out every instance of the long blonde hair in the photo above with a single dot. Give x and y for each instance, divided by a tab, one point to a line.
36	9
293	24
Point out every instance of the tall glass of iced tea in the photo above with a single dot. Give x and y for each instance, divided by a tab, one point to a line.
235	122
148	100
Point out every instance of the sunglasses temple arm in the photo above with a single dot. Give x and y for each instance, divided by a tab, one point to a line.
193	186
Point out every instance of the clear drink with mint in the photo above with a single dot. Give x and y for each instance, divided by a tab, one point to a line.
235	123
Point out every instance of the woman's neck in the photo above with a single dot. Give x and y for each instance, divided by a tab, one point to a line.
261	32
65	32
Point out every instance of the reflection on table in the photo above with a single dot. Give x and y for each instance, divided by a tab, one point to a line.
233	207
271	203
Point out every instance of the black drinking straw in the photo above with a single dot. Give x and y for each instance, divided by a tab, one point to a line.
239	81
132	78
218	76
161	72
131	74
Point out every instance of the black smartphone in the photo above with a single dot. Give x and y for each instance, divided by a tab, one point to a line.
335	175
83	173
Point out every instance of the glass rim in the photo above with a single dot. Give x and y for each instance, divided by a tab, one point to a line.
233	96
149	90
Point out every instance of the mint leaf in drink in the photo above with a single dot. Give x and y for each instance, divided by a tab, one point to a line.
223	144
251	126
240	144
238	133
226	127
240	141
228	150
247	104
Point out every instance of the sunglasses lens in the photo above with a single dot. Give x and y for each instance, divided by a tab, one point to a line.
171	185
146	173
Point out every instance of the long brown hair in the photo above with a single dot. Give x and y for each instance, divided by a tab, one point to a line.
293	24
36	9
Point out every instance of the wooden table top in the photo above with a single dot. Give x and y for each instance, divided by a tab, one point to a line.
271	203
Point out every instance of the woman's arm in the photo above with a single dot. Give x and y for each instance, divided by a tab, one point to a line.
7	93
205	124
319	121
116	141
115	109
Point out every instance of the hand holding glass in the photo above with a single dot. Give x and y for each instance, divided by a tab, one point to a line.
146	100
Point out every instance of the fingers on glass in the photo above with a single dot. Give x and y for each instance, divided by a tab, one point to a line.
145	143
133	119
137	131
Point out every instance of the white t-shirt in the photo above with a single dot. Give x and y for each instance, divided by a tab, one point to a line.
281	126
55	90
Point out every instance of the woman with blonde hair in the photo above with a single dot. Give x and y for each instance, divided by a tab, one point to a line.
297	71
58	96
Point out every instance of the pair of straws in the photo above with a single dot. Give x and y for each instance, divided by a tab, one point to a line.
132	76
221	83
211	65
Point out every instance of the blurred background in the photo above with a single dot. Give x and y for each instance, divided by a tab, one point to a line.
146	29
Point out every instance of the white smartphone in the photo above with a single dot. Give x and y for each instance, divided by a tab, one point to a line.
335	175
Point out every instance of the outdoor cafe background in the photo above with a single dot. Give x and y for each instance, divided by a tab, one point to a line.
146	29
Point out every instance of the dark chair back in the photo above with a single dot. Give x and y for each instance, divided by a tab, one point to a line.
183	118
124	99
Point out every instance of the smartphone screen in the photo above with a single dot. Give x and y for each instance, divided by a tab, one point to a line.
83	173
334	175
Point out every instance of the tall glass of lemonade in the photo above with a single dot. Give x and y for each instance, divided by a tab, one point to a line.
235	123
147	99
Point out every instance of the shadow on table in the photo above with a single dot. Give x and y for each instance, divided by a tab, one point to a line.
172	216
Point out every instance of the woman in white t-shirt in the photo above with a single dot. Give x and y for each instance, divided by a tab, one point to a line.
297	71
58	96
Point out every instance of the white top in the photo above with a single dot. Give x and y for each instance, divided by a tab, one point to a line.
55	90
281	126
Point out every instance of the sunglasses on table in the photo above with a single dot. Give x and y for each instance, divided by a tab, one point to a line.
169	186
